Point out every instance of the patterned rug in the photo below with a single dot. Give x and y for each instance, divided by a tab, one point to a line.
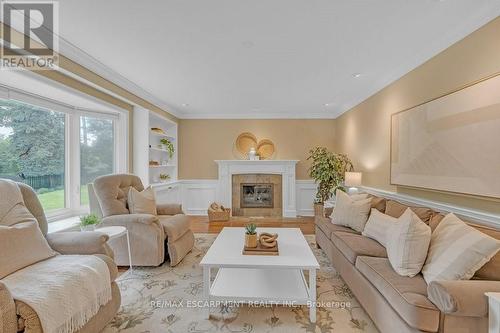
162	299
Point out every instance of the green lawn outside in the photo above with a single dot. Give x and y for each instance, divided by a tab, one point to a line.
55	199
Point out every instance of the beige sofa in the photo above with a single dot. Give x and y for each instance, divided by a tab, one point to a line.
403	304
16	316
150	235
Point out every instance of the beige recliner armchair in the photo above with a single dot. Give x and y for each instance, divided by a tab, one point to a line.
17	316
151	236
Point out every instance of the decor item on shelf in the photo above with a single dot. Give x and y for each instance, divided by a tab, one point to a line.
252	154
328	171
218	213
154	163
265	149
353	181
164	177
268	240
251	235
89	222
158	130
169	146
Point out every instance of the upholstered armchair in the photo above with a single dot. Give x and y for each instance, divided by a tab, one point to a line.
152	237
16	316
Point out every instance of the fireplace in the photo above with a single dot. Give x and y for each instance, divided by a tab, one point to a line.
256	195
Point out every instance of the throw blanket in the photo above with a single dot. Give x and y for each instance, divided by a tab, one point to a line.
65	291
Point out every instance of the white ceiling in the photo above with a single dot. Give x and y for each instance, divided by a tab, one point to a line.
262	58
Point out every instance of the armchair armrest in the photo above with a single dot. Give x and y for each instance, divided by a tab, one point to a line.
8	317
169	209
462	298
88	242
125	219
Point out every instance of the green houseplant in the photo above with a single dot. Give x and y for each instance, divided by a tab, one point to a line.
328	171
164	177
89	222
251	235
169	146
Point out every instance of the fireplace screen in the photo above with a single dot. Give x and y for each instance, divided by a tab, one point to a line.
257	196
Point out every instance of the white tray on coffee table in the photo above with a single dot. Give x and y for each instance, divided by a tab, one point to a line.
276	280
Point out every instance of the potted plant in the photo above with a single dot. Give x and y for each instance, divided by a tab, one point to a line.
328	171
164	177
169	146
89	222
251	235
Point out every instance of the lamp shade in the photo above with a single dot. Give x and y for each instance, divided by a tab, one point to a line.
353	179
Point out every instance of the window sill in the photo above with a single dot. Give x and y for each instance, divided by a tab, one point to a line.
67	224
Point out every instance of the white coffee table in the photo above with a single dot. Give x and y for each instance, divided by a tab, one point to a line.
115	232
254	279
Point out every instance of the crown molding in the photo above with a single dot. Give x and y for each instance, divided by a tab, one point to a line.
259	115
84	59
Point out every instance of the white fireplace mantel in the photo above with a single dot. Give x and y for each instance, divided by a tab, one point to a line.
285	168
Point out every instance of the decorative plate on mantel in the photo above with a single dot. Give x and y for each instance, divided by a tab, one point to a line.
244	142
265	149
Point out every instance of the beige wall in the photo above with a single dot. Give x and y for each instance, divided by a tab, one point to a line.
203	141
364	131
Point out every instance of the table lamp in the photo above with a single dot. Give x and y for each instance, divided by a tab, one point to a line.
352	181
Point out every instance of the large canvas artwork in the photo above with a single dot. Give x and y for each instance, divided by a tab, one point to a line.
451	143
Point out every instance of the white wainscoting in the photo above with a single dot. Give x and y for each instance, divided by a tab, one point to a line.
306	191
196	195
479	217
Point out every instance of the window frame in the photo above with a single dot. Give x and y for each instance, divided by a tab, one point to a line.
73	115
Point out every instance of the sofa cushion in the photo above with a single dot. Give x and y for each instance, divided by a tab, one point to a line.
379	203
457	251
354	245
406	295
326	225
378	226
174	226
22	245
143	202
396	209
351	213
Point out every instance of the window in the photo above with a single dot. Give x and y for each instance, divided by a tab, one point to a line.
58	149
97	153
32	150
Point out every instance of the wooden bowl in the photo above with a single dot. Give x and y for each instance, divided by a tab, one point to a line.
265	149
245	141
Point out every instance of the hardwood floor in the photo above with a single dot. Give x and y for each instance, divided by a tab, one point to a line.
200	223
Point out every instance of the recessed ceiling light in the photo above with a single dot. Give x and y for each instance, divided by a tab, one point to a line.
327	104
185	104
356	75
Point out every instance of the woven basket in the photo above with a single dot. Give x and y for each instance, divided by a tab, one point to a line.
214	216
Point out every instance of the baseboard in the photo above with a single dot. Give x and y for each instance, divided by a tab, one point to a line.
476	216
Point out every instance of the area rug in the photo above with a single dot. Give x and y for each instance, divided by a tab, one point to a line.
163	299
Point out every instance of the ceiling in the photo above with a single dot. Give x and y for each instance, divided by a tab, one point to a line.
262	58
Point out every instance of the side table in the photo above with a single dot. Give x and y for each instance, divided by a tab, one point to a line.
494	312
115	232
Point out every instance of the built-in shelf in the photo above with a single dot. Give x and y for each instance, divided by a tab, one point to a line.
158	149
162	135
162	166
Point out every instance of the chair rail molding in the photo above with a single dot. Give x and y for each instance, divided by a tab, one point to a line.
476	216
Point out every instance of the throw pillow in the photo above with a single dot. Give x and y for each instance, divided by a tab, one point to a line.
351	213
22	245
377	226
143	202
457	251
407	244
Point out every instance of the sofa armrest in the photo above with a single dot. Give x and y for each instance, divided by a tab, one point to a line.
8	317
74	242
169	209
462	298
125	219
